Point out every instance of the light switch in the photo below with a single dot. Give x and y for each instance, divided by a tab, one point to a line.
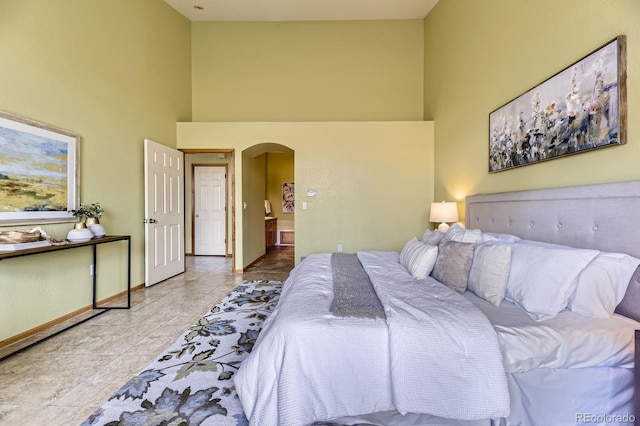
304	205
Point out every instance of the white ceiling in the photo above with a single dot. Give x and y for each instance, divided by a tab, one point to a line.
301	10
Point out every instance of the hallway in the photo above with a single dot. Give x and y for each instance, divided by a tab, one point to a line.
275	265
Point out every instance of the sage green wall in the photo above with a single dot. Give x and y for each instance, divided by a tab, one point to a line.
480	55
307	71
293	72
116	72
374	181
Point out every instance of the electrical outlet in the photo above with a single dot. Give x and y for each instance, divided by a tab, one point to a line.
339	248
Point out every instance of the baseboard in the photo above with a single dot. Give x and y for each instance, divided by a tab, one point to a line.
60	320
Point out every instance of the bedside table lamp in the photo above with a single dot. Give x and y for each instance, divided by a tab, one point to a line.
444	212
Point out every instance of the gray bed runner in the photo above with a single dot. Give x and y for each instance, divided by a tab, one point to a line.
353	293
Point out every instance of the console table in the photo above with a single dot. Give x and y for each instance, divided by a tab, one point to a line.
94	242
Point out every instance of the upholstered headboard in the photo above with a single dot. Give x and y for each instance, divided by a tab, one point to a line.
605	217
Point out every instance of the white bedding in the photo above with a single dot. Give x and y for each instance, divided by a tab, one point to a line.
317	381
298	373
271	393
569	340
438	344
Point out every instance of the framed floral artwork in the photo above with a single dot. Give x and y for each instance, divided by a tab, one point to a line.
581	108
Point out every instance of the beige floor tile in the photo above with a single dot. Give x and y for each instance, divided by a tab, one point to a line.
17	414
98	387
63	380
60	416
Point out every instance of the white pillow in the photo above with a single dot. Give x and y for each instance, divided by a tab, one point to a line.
543	278
461	235
602	284
503	238
418	258
489	272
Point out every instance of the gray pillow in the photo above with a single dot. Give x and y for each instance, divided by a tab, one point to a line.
453	264
432	237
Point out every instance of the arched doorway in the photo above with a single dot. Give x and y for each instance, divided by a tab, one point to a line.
265	168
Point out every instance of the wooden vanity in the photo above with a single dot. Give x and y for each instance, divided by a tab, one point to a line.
270	231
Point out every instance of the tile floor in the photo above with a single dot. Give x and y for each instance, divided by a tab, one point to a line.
64	379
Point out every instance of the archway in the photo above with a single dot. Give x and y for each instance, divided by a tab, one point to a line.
265	167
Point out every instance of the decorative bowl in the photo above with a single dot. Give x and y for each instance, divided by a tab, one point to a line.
96	229
79	235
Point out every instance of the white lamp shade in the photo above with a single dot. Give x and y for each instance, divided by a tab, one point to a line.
444	212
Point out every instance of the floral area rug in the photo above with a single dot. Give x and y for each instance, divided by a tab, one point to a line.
191	383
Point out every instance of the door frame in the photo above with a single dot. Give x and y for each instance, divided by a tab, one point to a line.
226	205
231	180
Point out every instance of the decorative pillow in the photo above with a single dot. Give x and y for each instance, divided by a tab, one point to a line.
453	264
489	272
543	278
432	237
418	258
602	284
503	238
546	244
459	234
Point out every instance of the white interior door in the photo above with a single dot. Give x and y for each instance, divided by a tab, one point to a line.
164	212
210	210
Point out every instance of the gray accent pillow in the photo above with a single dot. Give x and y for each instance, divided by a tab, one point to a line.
630	305
462	235
453	264
432	237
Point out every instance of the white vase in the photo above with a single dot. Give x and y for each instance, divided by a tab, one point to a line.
96	229
80	234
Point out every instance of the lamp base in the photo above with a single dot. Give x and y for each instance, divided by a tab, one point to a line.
443	227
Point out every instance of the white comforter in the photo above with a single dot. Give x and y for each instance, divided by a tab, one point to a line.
435	353
569	340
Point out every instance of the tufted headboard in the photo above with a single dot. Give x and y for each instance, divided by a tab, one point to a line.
604	216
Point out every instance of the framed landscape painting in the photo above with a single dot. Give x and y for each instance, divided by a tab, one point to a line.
579	109
38	172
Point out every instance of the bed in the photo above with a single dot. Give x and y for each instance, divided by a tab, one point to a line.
510	322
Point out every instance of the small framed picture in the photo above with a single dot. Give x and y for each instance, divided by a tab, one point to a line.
288	197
